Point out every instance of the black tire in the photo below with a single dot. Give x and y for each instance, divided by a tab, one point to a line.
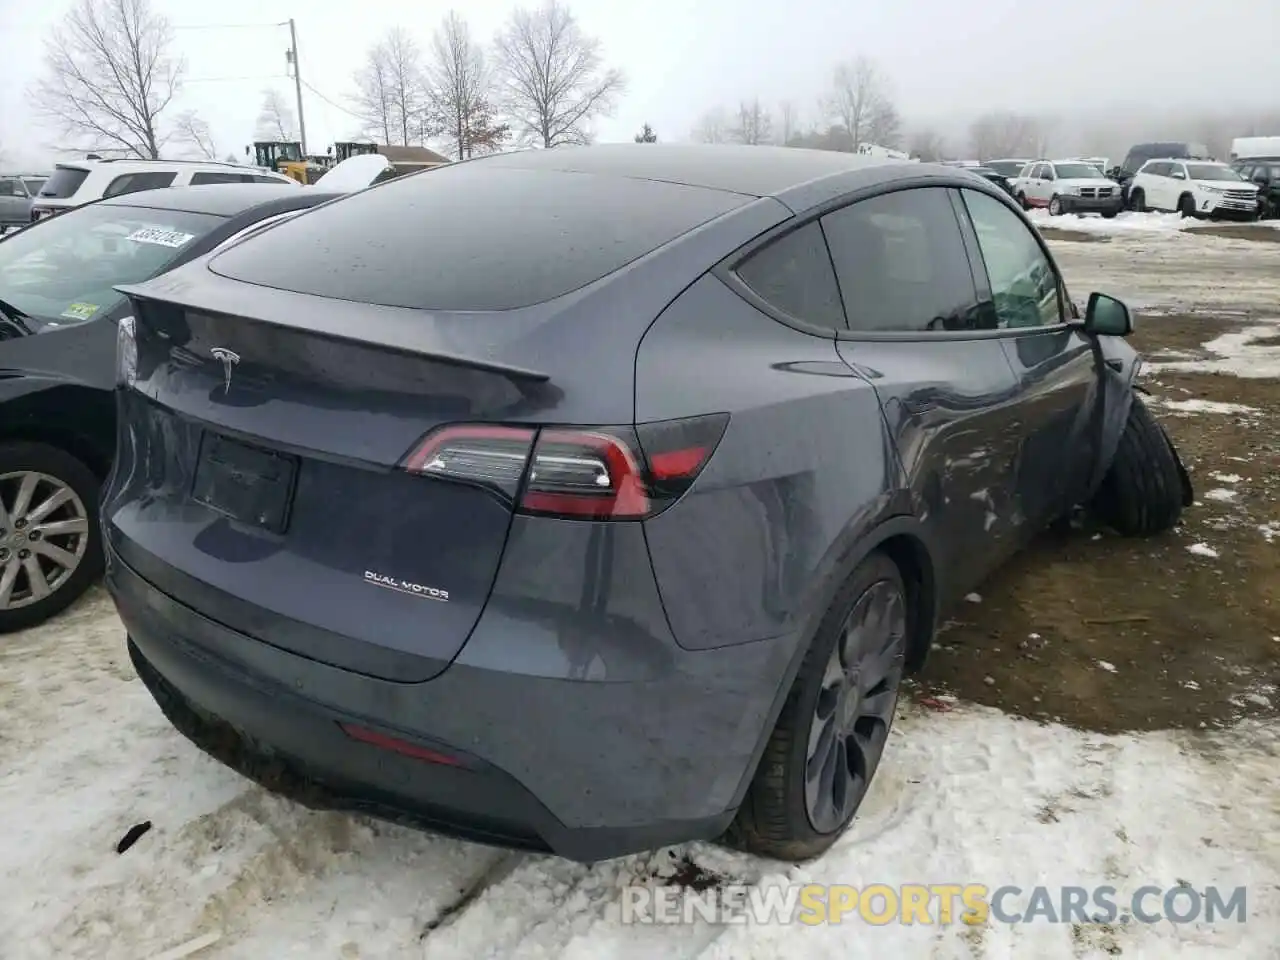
21	456
774	819
1143	492
1022	201
1187	205
1137	201
1055	206
1109	214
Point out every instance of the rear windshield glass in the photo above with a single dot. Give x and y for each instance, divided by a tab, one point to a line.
471	237
62	270
64	183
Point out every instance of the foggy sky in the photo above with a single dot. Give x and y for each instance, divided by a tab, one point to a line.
947	59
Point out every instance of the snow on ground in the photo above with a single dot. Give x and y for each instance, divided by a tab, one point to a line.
1126	222
1252	352
1194	406
966	796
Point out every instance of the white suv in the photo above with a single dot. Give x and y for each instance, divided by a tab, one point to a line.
82	181
1193	188
1067	186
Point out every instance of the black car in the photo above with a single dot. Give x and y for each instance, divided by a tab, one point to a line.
58	328
1266	174
612	513
991	175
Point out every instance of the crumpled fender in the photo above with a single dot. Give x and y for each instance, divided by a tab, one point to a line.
1120	365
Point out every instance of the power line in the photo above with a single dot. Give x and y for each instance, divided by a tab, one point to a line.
230	26
336	106
262	76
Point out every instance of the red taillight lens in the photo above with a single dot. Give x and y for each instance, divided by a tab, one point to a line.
604	473
396	745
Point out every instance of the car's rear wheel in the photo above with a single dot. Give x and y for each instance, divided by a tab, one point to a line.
50	545
1022	201
835	723
1137	201
1146	487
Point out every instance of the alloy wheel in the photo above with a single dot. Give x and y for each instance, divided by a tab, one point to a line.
44	533
855	706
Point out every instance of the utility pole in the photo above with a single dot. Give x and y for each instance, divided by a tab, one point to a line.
291	56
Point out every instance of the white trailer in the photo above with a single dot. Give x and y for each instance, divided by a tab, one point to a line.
1255	148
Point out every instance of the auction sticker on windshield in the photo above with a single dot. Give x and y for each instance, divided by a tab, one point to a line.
161	237
80	311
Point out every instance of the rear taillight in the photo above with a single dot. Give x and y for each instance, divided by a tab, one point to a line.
596	473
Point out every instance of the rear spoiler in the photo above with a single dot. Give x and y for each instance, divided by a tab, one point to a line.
325	327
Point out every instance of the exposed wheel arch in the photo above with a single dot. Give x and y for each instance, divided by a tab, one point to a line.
74	418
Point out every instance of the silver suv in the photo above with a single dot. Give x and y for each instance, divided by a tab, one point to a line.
17	191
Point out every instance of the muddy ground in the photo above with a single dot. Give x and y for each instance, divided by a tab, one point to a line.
1110	634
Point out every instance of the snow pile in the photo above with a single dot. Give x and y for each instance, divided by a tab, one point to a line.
1239	354
1185	407
1127	222
966	795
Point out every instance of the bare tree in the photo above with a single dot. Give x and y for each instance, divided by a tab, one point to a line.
788	122
553	76
926	144
860	101
459	86
373	96
713	126
754	126
109	77
391	90
275	119
1004	133
190	129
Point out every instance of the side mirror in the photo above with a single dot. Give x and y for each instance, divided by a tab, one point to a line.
1261	179
1107	317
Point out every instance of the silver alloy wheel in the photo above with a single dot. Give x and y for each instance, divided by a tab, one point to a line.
44	533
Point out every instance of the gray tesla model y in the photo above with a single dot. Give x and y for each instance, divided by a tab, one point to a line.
598	498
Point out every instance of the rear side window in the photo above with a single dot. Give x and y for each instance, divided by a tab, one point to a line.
136	182
64	183
472	237
793	274
901	263
209	176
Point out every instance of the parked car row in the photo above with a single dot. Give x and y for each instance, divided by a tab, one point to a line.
585	500
17	193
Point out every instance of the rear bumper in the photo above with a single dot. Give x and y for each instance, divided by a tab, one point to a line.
587	769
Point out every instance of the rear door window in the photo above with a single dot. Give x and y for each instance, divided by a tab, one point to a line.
794	274
136	182
210	176
901	263
473	238
64	183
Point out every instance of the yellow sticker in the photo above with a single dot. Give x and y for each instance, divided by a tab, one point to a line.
80	311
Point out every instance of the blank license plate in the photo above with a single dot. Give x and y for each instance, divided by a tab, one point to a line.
245	483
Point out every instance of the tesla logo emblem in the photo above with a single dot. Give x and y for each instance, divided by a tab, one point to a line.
229	360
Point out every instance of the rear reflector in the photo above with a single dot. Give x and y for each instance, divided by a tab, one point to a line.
395	745
596	473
